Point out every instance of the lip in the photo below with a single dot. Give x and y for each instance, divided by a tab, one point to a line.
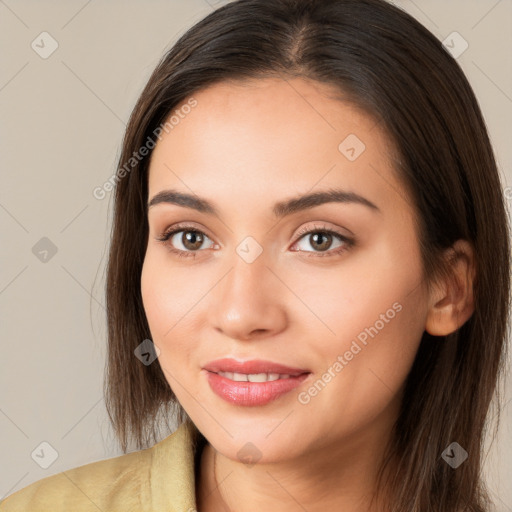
253	366
252	393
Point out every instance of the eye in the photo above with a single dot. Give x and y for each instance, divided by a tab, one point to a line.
190	239
321	238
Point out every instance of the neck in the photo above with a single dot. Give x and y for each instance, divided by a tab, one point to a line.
342	477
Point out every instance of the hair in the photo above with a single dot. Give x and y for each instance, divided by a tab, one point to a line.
385	62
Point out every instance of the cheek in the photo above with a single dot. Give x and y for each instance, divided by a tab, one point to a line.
169	291
365	291
374	329
169	297
373	312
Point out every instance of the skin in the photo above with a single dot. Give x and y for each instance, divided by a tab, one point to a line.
246	146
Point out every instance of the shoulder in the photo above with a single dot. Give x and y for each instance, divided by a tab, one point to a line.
94	486
120	483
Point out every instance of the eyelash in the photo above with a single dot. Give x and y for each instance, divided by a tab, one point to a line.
192	254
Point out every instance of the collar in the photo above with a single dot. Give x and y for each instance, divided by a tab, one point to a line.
173	470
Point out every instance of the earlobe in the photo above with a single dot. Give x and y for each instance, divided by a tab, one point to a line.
451	303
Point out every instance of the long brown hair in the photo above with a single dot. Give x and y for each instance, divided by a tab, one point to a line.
391	66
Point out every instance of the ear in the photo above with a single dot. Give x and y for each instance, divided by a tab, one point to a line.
451	302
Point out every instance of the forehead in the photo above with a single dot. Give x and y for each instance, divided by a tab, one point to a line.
272	138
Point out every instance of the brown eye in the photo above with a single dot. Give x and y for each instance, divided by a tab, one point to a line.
183	240
321	240
191	240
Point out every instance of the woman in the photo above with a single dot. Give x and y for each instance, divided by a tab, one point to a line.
309	266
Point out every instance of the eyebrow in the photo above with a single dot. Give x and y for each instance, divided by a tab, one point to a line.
280	209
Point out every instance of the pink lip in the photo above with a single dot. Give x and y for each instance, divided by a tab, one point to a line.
252	393
253	366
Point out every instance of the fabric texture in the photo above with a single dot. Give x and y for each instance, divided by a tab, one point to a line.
157	479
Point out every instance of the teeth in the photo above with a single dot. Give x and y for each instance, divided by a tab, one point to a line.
253	377
262	377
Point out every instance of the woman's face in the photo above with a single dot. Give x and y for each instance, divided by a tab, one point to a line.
344	305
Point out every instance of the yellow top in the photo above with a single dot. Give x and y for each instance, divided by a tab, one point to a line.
157	479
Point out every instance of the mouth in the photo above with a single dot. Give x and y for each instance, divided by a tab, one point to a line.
252	367
253	377
252	383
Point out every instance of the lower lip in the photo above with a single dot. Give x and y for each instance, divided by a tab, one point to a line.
252	393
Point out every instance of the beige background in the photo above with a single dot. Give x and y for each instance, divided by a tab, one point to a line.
62	122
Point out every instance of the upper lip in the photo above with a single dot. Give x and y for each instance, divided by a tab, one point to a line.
251	367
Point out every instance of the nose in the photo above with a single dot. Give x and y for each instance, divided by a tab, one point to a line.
249	302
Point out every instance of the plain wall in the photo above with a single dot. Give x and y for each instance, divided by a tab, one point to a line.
62	120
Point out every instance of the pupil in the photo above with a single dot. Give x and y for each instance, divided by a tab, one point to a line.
325	245
193	240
